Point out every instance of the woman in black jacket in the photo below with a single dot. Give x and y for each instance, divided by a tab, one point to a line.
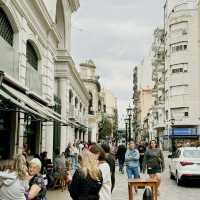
87	180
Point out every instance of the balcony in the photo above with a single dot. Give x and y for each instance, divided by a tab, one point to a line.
9	59
33	80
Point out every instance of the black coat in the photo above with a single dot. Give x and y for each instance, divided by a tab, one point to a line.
121	151
84	188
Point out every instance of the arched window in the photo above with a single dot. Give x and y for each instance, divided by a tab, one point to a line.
70	96
76	102
81	107
31	55
6	31
90	110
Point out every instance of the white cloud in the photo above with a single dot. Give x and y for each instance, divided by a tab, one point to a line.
116	34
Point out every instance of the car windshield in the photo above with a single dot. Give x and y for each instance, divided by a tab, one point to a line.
191	153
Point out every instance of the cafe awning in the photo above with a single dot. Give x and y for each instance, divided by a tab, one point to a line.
30	105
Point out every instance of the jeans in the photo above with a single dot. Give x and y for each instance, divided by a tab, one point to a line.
133	172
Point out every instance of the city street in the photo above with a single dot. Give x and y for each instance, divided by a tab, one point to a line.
169	189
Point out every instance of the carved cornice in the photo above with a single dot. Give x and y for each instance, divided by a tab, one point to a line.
74	4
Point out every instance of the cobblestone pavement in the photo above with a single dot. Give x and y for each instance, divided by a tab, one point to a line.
169	190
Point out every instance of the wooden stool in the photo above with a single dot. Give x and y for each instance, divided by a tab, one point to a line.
138	183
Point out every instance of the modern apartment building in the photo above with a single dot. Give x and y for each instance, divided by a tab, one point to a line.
182	70
158	76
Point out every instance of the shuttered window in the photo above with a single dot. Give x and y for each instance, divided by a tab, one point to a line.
31	56
6	31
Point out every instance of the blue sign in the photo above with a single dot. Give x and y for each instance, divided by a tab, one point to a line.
183	131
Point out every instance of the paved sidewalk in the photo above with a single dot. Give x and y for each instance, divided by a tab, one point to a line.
169	189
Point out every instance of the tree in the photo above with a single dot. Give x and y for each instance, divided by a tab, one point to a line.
105	128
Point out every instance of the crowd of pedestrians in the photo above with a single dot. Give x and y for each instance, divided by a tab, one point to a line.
89	170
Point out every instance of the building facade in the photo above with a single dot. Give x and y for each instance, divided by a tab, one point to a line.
182	94
35	55
158	76
95	107
110	110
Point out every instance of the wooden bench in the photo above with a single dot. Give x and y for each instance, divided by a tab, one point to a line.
138	183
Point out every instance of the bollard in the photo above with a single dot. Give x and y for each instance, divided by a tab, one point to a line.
147	195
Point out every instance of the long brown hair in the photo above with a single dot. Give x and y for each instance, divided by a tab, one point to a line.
156	146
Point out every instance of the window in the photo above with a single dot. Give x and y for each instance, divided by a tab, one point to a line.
181	46
186	114
166	114
180	113
179	90
76	102
6	31
31	55
179	28
80	107
70	96
179	68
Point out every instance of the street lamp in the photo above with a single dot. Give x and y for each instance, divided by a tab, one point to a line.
126	123
129	113
172	120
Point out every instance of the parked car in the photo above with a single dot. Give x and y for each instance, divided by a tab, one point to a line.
185	164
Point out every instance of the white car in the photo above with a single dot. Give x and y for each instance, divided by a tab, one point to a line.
185	164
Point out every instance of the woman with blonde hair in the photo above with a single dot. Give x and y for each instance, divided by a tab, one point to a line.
13	181
87	179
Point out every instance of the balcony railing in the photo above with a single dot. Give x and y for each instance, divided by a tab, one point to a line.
33	80
9	59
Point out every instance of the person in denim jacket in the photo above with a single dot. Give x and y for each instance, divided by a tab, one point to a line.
132	161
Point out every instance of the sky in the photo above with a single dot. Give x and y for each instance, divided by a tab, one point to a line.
116	35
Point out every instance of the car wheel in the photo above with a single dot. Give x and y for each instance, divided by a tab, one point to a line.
178	181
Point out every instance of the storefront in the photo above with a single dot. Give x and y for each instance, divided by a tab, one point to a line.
184	136
22	122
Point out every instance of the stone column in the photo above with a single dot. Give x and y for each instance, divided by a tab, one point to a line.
62	87
49	139
21	128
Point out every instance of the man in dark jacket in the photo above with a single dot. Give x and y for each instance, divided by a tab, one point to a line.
111	162
121	151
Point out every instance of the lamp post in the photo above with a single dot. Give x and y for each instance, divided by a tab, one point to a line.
126	124
172	120
129	113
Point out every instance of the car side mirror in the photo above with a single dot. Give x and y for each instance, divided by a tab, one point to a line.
170	156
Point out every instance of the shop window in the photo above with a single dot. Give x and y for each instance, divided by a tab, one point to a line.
31	55
6	31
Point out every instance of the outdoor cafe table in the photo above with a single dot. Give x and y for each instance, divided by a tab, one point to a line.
137	183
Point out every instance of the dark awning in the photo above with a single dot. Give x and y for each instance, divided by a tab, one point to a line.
28	104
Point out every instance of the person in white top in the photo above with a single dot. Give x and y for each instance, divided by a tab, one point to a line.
105	192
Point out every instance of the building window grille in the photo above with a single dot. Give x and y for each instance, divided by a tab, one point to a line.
6	31
31	56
